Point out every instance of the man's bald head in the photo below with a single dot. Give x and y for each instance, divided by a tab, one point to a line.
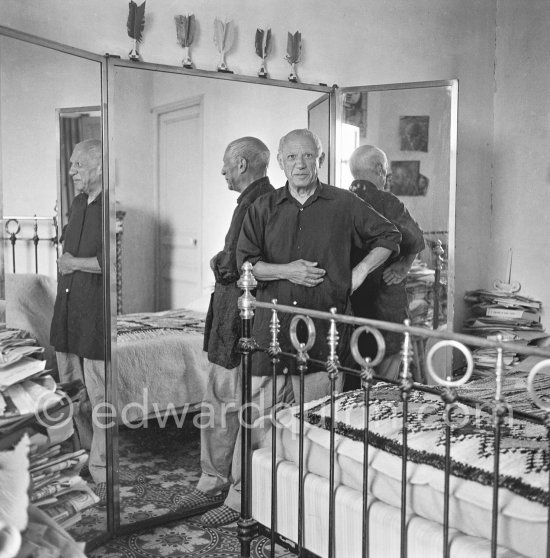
368	162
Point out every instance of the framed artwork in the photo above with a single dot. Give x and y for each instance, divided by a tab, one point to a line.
404	178
413	133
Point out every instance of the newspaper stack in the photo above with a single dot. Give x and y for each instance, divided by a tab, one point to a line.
25	388
57	487
514	317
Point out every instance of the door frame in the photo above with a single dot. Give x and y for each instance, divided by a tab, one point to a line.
158	112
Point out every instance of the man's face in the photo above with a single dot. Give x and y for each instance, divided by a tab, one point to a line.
85	172
300	162
230	170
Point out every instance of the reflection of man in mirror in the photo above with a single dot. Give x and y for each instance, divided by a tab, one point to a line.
77	324
299	240
382	296
244	167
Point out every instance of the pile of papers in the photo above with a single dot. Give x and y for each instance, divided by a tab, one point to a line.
57	487
513	317
25	387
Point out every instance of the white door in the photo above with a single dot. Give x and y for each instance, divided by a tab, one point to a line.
179	215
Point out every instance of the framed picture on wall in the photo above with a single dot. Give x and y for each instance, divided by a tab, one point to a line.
413	133
404	178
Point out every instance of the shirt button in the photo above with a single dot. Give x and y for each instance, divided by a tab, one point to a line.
294	302
66	290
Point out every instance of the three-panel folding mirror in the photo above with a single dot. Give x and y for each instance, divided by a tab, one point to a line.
166	211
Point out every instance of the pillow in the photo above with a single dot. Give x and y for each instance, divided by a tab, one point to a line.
30	299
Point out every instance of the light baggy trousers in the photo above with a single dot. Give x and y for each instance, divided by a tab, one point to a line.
91	433
219	424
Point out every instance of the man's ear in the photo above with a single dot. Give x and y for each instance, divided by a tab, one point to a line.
243	165
280	160
321	159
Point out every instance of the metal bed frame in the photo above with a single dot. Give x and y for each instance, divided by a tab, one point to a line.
12	227
248	527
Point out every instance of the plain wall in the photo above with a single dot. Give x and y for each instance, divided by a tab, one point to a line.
351	43
34	83
520	189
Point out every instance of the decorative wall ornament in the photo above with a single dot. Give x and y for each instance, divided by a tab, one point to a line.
293	54
263	48
185	29
135	25
224	37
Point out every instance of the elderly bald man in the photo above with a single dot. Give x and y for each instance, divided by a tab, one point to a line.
244	167
77	324
382	296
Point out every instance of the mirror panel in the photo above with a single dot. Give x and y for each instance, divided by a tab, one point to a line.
76	124
169	135
36	83
415	125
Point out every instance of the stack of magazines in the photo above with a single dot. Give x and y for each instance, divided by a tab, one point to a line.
493	313
57	487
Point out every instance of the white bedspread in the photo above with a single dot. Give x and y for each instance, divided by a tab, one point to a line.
160	362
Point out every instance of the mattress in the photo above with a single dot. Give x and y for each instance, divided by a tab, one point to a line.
424	537
522	517
160	362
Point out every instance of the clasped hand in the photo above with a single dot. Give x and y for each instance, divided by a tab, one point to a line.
306	273
66	264
395	273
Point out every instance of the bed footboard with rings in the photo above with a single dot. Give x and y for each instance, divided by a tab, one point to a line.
395	468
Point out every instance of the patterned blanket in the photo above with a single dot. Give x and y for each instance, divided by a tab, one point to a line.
150	324
514	389
524	456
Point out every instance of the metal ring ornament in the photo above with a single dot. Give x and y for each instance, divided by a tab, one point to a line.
310	333
380	343
463	349
544	405
7	227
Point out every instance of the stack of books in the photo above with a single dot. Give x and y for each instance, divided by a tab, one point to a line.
57	487
513	317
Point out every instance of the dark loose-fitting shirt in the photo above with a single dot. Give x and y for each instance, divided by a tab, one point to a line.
77	325
374	298
223	325
278	230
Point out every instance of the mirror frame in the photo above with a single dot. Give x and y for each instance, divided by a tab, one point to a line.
452	84
107	257
110	109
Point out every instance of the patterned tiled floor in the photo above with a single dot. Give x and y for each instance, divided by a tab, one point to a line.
157	467
184	539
